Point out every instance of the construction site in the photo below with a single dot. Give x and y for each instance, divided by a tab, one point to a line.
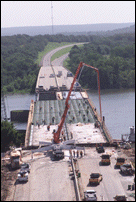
64	122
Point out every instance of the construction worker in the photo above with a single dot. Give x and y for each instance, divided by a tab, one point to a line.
48	127
71	135
62	133
44	122
53	118
31	155
81	153
77	153
74	153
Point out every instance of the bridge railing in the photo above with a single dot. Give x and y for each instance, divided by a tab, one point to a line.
29	123
102	123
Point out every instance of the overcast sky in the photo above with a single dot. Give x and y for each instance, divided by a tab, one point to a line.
38	13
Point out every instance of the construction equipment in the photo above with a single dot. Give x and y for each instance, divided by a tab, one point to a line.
119	162
100	148
15	158
95	178
127	169
25	167
120	198
58	154
56	135
105	159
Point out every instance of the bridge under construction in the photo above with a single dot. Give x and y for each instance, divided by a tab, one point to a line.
52	87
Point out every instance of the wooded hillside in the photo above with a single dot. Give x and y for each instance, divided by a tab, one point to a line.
114	56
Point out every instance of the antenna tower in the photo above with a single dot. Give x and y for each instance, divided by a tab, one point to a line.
52	16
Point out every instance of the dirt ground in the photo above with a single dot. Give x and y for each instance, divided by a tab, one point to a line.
130	153
8	177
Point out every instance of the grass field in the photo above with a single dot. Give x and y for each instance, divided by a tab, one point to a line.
62	52
52	45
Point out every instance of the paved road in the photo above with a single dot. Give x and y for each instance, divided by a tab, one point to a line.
59	61
47	58
113	182
48	181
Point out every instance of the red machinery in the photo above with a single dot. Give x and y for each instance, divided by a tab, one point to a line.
56	135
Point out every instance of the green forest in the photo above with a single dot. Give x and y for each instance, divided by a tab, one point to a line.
10	136
114	56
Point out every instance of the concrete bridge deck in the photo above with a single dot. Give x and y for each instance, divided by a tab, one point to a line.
49	77
79	121
45	110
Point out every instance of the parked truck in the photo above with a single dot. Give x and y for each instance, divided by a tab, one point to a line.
120	161
15	158
105	159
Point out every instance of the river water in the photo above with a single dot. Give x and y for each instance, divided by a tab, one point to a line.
118	107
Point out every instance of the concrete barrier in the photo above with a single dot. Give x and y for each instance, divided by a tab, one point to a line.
78	198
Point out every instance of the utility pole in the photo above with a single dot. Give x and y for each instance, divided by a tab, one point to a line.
52	16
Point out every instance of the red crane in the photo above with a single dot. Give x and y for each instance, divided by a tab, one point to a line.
56	135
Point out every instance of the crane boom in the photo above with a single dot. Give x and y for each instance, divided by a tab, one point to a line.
98	79
56	135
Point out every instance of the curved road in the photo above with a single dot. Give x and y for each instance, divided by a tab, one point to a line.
46	61
59	61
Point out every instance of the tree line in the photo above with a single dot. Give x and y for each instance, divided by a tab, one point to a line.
114	56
